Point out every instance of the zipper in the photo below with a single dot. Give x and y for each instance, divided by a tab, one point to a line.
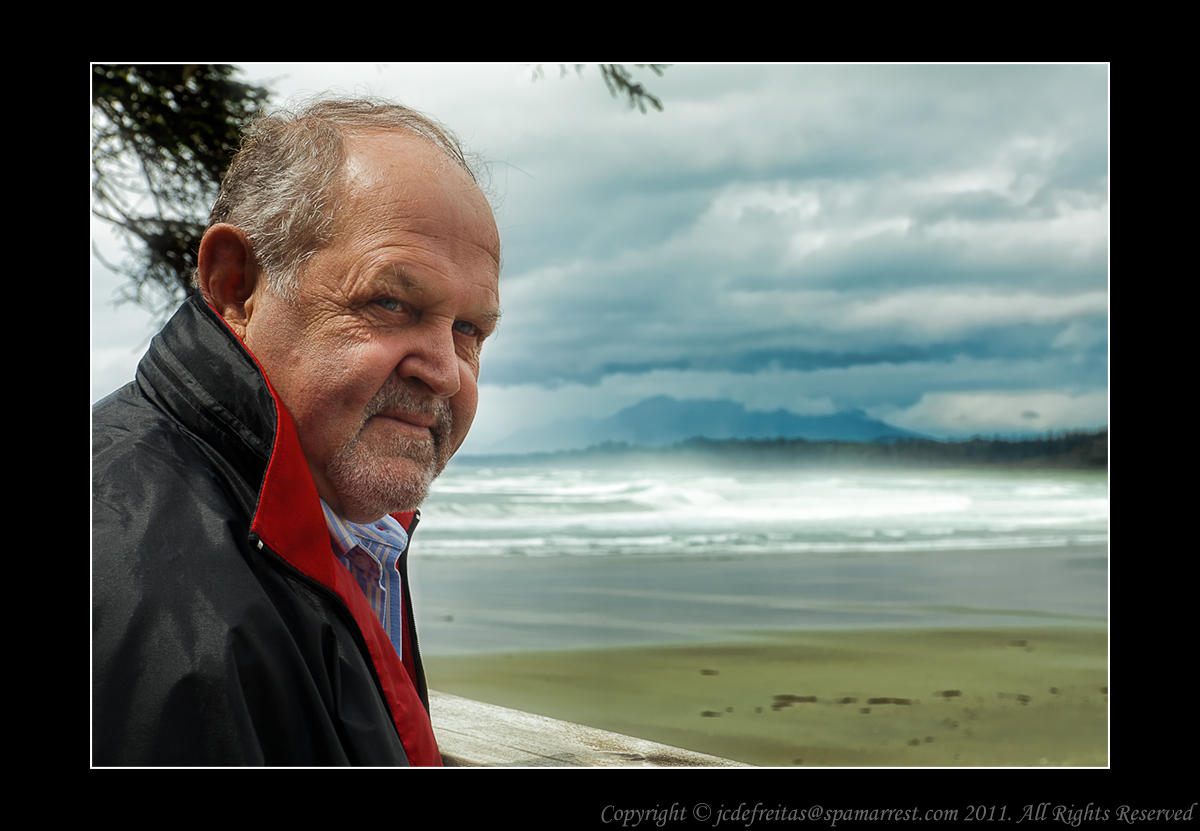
352	625
410	618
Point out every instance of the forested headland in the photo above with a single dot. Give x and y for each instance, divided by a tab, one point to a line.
1065	451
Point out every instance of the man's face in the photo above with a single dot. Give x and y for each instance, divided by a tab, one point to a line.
377	357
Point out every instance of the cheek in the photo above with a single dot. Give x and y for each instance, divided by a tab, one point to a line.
328	395
464	403
323	422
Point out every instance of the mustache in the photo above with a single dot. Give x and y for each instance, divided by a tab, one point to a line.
398	395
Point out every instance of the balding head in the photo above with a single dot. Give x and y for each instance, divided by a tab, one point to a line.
282	188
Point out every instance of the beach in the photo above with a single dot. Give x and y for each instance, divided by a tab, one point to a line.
1010	696
806	618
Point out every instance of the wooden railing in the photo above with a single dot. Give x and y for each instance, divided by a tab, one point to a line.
474	734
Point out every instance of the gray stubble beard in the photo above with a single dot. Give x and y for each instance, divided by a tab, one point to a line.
360	476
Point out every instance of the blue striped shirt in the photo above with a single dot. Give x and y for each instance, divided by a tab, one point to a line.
371	552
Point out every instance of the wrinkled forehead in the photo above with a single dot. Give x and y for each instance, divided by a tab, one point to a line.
412	175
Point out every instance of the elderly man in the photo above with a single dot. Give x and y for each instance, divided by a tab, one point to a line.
255	487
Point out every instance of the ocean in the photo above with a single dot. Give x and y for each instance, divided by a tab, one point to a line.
522	555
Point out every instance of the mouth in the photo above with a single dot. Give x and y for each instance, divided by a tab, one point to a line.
409	415
415	419
418	426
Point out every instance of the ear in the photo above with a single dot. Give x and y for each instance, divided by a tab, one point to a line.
227	274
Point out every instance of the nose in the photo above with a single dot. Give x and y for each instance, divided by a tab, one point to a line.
433	360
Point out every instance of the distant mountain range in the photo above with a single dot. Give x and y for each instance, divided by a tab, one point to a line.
662	420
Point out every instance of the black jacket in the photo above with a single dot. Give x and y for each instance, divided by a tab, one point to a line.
224	631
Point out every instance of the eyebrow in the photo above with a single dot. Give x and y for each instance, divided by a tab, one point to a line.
408	283
403	278
489	319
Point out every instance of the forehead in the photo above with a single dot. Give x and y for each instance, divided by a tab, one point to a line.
400	177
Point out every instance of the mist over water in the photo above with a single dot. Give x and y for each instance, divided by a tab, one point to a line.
554	512
532	556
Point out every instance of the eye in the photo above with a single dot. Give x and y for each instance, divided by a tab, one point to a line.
389	303
464	327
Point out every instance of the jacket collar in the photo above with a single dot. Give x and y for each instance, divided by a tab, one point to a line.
199	371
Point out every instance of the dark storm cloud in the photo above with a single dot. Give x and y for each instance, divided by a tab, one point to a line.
915	238
818	218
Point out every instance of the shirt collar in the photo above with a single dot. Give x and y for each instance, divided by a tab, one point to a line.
345	535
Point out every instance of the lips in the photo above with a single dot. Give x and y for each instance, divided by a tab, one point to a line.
411	411
415	428
426	421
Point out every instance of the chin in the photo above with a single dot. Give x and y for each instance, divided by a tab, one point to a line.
369	491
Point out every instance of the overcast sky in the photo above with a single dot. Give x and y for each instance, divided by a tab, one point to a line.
926	243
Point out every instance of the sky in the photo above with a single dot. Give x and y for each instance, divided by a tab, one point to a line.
926	243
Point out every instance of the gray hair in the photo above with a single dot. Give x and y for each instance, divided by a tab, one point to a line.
280	188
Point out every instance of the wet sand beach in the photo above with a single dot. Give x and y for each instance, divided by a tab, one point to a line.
995	696
877	618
